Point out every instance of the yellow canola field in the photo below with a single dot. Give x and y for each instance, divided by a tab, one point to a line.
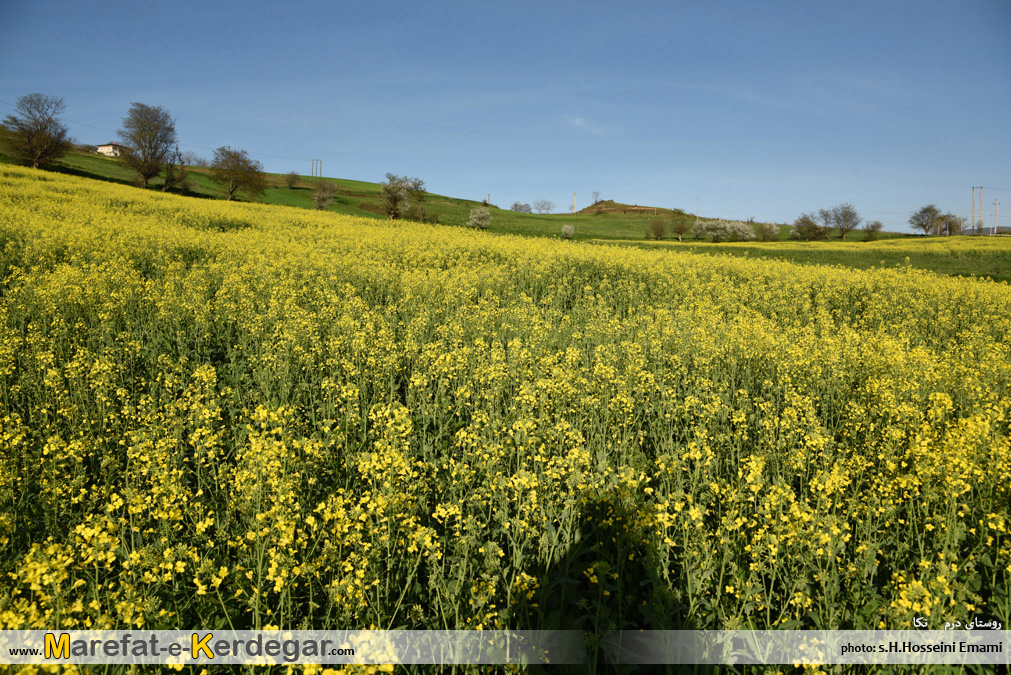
233	415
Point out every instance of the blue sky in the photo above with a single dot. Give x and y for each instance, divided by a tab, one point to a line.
756	109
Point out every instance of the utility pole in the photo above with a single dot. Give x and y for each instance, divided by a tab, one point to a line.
976	222
996	202
573	202
981	207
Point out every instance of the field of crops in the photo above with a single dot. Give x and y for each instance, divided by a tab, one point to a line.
218	414
966	256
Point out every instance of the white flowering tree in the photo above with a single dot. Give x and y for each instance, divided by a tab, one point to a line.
480	218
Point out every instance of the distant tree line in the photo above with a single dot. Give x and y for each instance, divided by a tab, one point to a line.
818	226
540	205
844	218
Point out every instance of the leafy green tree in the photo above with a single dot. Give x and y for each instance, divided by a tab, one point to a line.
36	134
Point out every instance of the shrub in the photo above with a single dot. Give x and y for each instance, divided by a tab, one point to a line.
291	179
416	212
723	230
568	230
480	218
657	228
766	232
806	228
871	230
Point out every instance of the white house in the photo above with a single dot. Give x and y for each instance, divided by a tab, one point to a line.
111	149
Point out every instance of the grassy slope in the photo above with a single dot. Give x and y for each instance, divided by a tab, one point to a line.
607	222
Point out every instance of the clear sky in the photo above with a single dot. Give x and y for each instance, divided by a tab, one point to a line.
756	109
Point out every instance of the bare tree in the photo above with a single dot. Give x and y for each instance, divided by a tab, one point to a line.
175	172
926	219
543	206
234	170
521	208
291	179
191	158
416	188
596	196
844	217
37	136
415	208
150	134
